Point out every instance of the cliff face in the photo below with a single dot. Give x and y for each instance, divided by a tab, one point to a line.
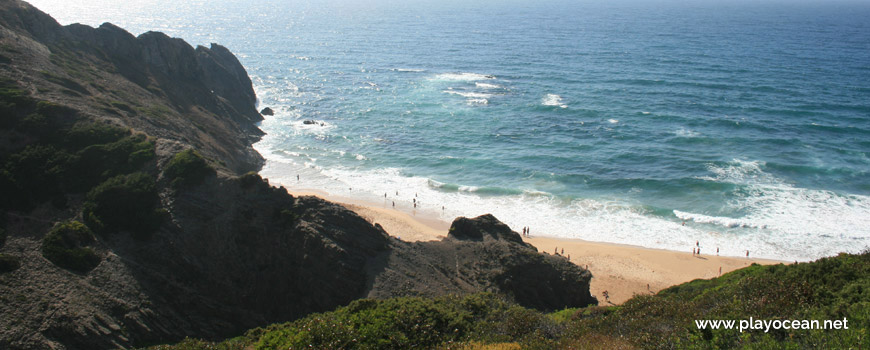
172	243
151	83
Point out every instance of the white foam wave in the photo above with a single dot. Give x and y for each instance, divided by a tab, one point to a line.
612	121
800	223
716	220
468	94
683	132
477	101
409	70
487	86
463	77
553	100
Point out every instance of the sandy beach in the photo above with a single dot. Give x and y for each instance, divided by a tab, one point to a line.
621	270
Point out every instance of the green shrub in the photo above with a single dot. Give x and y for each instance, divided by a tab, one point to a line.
13	102
98	162
33	175
197	344
411	323
187	168
65	246
83	134
124	203
827	289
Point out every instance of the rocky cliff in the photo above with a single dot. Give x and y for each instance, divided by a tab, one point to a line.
114	233
152	83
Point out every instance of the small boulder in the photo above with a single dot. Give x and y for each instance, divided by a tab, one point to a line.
481	228
267	111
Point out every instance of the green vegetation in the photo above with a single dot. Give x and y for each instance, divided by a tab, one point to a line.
66	246
187	168
828	289
53	152
124	203
98	162
405	323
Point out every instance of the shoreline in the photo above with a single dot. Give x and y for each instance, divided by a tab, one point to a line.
620	269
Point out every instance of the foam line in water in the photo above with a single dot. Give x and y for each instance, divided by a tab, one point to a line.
463	76
553	100
468	94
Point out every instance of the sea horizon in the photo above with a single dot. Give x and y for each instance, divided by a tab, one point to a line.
656	124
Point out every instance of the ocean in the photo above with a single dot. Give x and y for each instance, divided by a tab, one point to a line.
741	125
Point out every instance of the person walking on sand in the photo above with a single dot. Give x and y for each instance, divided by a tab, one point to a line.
693	251
297	177
394	204
717	251
747	254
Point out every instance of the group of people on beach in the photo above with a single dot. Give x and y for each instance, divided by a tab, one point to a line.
526	231
697	249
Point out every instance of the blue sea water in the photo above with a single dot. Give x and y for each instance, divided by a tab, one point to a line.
742	125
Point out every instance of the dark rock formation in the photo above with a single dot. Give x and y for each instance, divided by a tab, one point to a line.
480	254
481	228
309	122
267	111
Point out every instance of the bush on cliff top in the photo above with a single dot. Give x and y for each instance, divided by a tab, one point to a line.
187	168
124	203
66	246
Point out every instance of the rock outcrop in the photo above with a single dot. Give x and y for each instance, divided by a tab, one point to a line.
480	254
152	83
